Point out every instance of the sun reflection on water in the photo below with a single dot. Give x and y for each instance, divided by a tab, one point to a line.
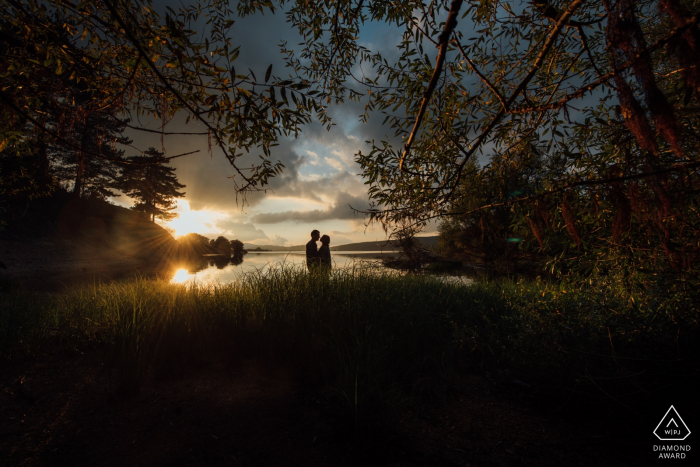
180	276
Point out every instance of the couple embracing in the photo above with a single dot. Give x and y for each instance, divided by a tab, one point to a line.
315	256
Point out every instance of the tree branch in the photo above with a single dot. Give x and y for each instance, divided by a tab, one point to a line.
170	88
549	43
478	73
584	43
550	12
675	168
450	24
168	133
67	143
603	79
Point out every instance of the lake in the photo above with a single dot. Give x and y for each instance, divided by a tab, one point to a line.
219	268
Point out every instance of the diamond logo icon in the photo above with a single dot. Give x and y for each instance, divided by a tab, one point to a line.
672	427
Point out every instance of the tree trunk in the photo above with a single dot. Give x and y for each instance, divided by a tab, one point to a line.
42	175
80	171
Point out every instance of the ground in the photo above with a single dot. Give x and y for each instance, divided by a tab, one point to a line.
62	409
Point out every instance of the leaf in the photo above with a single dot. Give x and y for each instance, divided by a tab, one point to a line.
268	73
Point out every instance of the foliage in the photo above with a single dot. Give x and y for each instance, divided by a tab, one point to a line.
195	238
152	184
237	247
63	61
605	93
21	181
91	176
412	254
222	245
489	236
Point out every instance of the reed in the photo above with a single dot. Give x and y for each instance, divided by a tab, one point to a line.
372	336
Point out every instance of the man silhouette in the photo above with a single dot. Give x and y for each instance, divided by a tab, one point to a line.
312	258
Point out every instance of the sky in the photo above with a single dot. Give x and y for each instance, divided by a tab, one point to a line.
320	184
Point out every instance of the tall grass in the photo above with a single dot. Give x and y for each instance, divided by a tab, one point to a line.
371	336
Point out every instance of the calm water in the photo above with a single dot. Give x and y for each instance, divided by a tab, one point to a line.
219	268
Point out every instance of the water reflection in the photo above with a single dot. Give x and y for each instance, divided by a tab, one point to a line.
180	276
220	268
193	265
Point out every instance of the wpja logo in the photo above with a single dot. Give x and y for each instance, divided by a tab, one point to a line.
672	428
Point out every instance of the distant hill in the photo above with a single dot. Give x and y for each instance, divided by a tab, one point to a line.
361	246
381	245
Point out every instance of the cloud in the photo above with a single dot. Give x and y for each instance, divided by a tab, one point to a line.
318	166
339	238
277	240
313	159
342	208
242	231
336	164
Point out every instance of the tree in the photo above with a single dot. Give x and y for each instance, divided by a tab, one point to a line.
237	248
89	175
20	182
222	245
195	238
488	236
153	185
121	57
606	92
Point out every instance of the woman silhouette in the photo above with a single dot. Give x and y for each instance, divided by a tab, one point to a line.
325	252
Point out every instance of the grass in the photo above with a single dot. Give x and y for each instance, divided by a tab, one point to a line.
372	337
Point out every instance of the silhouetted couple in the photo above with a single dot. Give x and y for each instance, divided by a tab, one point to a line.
318	257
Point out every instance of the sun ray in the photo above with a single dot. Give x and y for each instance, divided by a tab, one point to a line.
189	221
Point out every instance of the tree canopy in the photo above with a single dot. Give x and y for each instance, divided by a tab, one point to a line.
583	113
591	104
62	61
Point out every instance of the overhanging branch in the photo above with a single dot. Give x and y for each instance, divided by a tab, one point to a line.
444	40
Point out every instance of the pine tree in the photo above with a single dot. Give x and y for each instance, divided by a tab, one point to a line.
91	176
152	184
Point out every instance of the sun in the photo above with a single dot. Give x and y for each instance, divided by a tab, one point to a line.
189	221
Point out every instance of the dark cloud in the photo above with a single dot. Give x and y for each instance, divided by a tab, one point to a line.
341	209
208	178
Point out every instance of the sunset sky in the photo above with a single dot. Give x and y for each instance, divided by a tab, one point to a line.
320	181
